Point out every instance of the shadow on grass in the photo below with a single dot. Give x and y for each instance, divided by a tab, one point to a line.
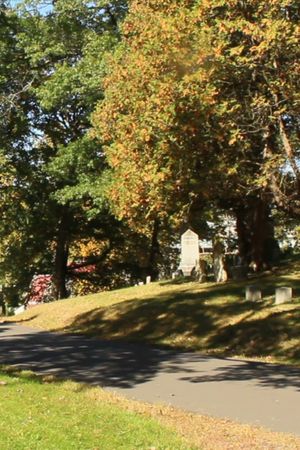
276	335
10	319
217	321
213	319
158	318
27	375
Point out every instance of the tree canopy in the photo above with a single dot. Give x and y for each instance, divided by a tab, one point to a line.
202	107
122	123
194	96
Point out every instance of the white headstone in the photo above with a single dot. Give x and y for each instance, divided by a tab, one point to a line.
253	293
148	280
283	295
19	310
189	252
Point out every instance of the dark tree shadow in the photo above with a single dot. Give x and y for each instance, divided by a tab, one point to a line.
274	375
125	365
215	320
80	358
195	319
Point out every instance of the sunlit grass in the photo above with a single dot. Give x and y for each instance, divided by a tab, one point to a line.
42	413
36	414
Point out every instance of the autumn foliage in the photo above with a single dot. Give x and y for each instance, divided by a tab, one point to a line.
201	101
124	122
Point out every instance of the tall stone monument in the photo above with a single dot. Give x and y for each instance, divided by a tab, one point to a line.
189	256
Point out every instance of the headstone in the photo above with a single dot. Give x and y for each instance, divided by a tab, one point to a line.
253	293
19	309
219	262
174	275
283	295
189	252
141	283
202	271
148	280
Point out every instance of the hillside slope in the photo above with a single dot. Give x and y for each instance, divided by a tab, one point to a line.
211	318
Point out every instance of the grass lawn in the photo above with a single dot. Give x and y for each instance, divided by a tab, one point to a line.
36	414
212	318
41	413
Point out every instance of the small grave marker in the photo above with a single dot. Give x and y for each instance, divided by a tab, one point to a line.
253	293
283	295
219	262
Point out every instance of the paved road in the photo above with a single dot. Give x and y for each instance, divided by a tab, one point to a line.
262	394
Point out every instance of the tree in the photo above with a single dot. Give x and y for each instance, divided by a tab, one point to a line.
49	90
19	206
65	46
195	94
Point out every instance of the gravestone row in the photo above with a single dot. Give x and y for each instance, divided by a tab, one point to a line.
282	294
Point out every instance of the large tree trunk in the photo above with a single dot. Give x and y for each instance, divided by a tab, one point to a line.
154	251
255	229
244	241
265	248
61	256
259	258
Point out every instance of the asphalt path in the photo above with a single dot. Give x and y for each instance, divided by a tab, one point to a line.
261	394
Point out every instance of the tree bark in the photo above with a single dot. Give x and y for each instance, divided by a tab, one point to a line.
154	251
61	256
255	230
244	243
259	236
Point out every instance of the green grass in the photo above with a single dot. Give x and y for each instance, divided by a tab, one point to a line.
42	413
36	414
211	318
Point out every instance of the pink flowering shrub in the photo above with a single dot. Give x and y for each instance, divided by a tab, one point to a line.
41	290
42	286
84	269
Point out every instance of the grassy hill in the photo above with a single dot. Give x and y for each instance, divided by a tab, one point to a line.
211	318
